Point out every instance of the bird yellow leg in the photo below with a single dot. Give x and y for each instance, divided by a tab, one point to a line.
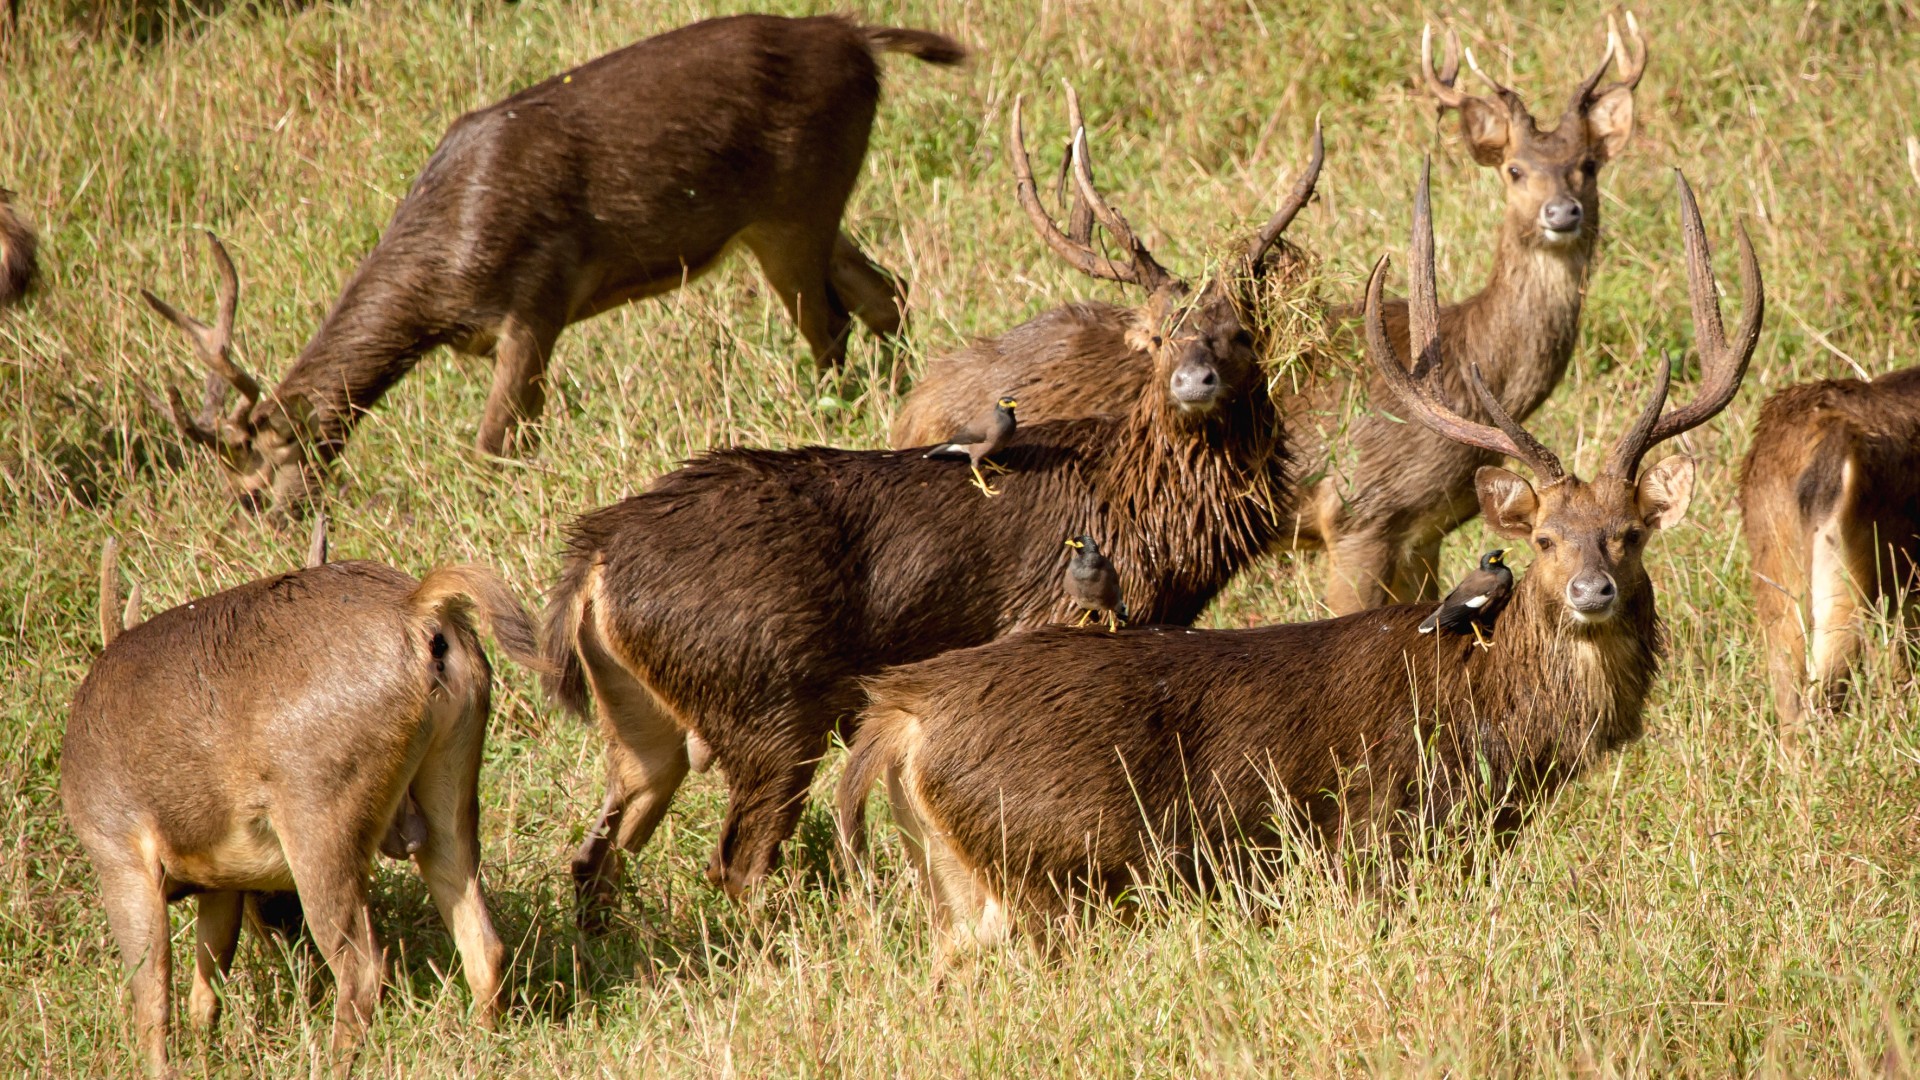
993	466
1480	640
1113	622
980	482
1084	616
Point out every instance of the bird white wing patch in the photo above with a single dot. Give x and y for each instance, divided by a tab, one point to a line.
1477	602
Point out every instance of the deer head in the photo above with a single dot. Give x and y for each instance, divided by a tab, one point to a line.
1203	345
1587	538
1553	197
261	445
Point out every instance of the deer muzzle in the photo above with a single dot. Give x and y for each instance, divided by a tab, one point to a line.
1196	385
1591	596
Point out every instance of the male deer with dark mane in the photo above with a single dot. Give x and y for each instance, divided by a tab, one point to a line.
271	738
1065	762
743	597
1377	495
622	179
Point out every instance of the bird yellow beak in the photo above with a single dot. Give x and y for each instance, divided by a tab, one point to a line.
1074	544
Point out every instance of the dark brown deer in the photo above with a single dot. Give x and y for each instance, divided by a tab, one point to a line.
271	738
18	247
1377	495
744	596
1830	504
1066	762
624	178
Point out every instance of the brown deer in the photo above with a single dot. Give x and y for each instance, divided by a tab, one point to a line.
1830	504
271	738
18	247
1377	495
1064	762
624	178
743	597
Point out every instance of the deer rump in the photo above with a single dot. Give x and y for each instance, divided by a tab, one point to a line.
1187	749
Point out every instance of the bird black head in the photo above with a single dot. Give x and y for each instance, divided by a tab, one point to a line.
1006	405
1084	544
1496	557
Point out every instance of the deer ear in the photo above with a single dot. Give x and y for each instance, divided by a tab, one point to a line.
1610	121
1665	490
1485	128
1507	500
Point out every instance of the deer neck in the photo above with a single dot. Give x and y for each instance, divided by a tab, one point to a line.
1522	326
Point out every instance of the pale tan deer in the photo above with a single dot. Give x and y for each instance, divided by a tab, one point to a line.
1376	495
1064	763
271	738
622	179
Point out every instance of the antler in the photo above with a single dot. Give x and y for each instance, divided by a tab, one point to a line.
1441	84
1419	389
1142	271
214	345
1722	363
1913	157
1633	64
1296	200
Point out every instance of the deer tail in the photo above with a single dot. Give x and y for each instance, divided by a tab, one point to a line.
17	248
566	677
887	727
469	591
922	44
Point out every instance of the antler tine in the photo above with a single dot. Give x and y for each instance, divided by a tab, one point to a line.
1516	106
1633	60
1723	363
1418	388
1079	214
1913	157
1583	94
1296	200
214	343
1080	256
1147	272
1624	458
1440	84
109	592
317	542
1544	462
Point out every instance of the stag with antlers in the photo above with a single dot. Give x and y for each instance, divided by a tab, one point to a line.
1057	764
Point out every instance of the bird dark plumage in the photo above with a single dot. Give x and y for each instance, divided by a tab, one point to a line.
982	439
1093	584
1475	603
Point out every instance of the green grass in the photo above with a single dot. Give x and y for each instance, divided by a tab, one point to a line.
1726	897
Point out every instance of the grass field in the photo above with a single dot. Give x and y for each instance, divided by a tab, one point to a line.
1729	896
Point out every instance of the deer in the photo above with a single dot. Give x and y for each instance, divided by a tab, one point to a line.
622	179
18	252
1061	764
269	739
737	602
1376	496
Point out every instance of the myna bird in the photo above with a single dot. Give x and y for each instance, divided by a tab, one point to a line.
982	439
1475	603
1093	584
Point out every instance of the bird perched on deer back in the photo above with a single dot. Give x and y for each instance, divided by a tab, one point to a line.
1475	603
981	440
1093	584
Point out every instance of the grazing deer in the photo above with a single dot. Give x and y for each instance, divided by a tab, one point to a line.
624	178
18	245
1830	504
1376	495
1064	762
743	597
271	738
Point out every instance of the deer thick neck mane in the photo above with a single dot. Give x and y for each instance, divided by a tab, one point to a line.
1551	696
1197	500
1521	328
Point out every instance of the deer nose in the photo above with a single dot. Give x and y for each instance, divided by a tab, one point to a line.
1561	215
1196	385
1591	595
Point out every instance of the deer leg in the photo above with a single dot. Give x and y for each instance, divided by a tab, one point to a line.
216	931
871	294
330	870
519	386
646	762
447	788
764	802
1359	567
1836	588
137	913
796	262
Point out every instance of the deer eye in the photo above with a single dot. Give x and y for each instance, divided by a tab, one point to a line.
1514	171
1156	341
1632	537
1544	543
1243	338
